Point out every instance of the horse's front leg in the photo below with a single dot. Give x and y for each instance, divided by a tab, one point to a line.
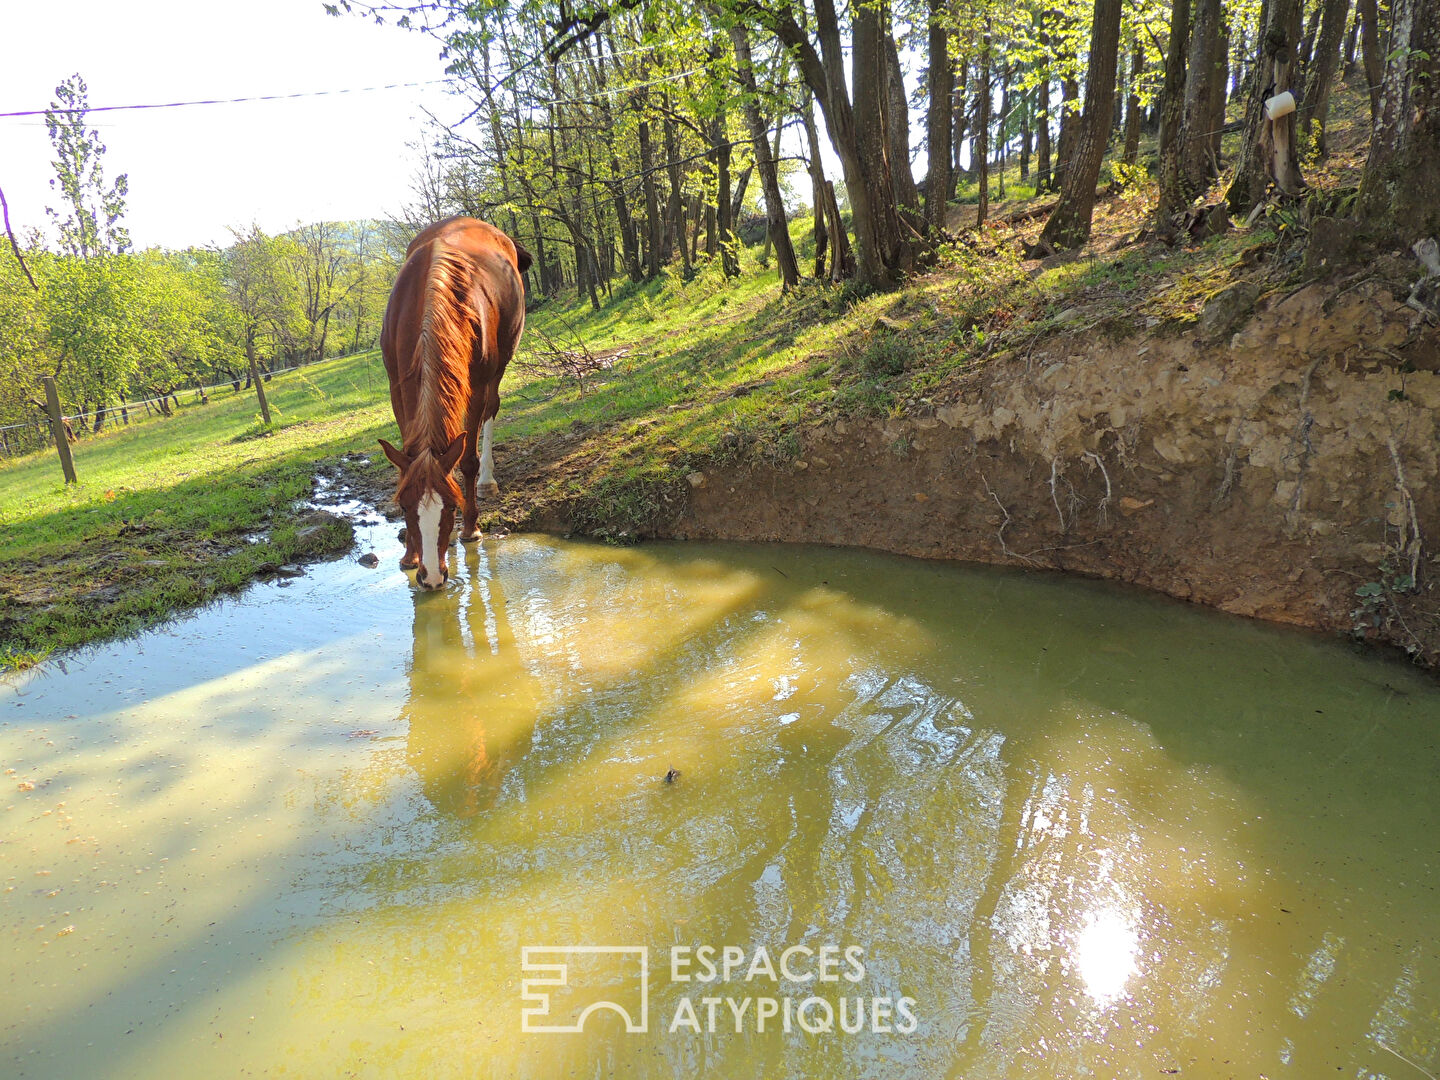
469	467
411	559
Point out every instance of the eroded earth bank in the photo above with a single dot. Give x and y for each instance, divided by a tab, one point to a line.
1277	461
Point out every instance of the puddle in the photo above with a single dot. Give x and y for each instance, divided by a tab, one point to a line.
1068	830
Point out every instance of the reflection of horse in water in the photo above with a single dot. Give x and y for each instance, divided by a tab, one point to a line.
472	705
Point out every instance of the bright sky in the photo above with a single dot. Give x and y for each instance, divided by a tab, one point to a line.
194	171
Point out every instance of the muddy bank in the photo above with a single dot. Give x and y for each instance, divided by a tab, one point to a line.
1283	469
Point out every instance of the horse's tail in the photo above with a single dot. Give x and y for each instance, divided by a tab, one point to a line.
449	324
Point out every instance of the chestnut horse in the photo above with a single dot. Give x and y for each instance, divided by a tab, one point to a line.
454	318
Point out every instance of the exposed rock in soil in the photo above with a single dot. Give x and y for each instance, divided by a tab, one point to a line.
1227	309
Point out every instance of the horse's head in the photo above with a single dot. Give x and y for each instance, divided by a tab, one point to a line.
428	495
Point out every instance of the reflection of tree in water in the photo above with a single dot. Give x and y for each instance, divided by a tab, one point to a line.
1094	862
471	706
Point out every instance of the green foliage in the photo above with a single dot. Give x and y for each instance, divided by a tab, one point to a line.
886	354
1133	179
1378	600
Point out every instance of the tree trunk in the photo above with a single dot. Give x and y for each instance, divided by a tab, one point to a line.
775	157
254	378
1027	135
1044	179
842	262
775	224
737	196
676	216
1366	11
941	85
897	126
1069	223
652	201
1131	152
700	212
1268	150
1307	45
1069	128
1400	191
1001	138
817	185
1117	116
883	252
324	334
1352	39
1194	132
1315	107
1172	109
961	118
980	151
1218	95
628	238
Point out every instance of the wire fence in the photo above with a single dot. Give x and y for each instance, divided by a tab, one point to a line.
31	435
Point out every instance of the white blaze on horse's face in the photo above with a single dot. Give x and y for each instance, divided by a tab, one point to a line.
432	573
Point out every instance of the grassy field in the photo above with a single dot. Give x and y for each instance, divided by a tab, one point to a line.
170	512
685	374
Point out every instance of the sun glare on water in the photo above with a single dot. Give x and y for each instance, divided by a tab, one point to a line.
1105	954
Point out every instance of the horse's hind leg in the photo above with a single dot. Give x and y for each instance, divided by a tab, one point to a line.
488	487
469	467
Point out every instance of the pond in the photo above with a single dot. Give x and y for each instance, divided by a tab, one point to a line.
920	821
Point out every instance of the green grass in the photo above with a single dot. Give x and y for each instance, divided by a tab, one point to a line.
171	512
127	474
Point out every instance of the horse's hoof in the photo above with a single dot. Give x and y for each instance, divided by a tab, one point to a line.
490	490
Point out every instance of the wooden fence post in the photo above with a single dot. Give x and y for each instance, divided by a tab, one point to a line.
57	425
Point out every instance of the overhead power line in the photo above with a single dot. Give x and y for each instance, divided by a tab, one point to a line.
223	101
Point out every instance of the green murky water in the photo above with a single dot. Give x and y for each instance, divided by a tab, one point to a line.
1062	830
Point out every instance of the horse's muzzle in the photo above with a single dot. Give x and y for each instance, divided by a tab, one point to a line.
420	577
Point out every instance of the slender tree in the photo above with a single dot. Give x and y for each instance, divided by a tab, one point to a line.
776	226
980	149
1172	110
89	220
1315	108
940	84
1370	57
1069	223
1203	67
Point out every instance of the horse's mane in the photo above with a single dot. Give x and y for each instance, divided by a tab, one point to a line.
441	361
